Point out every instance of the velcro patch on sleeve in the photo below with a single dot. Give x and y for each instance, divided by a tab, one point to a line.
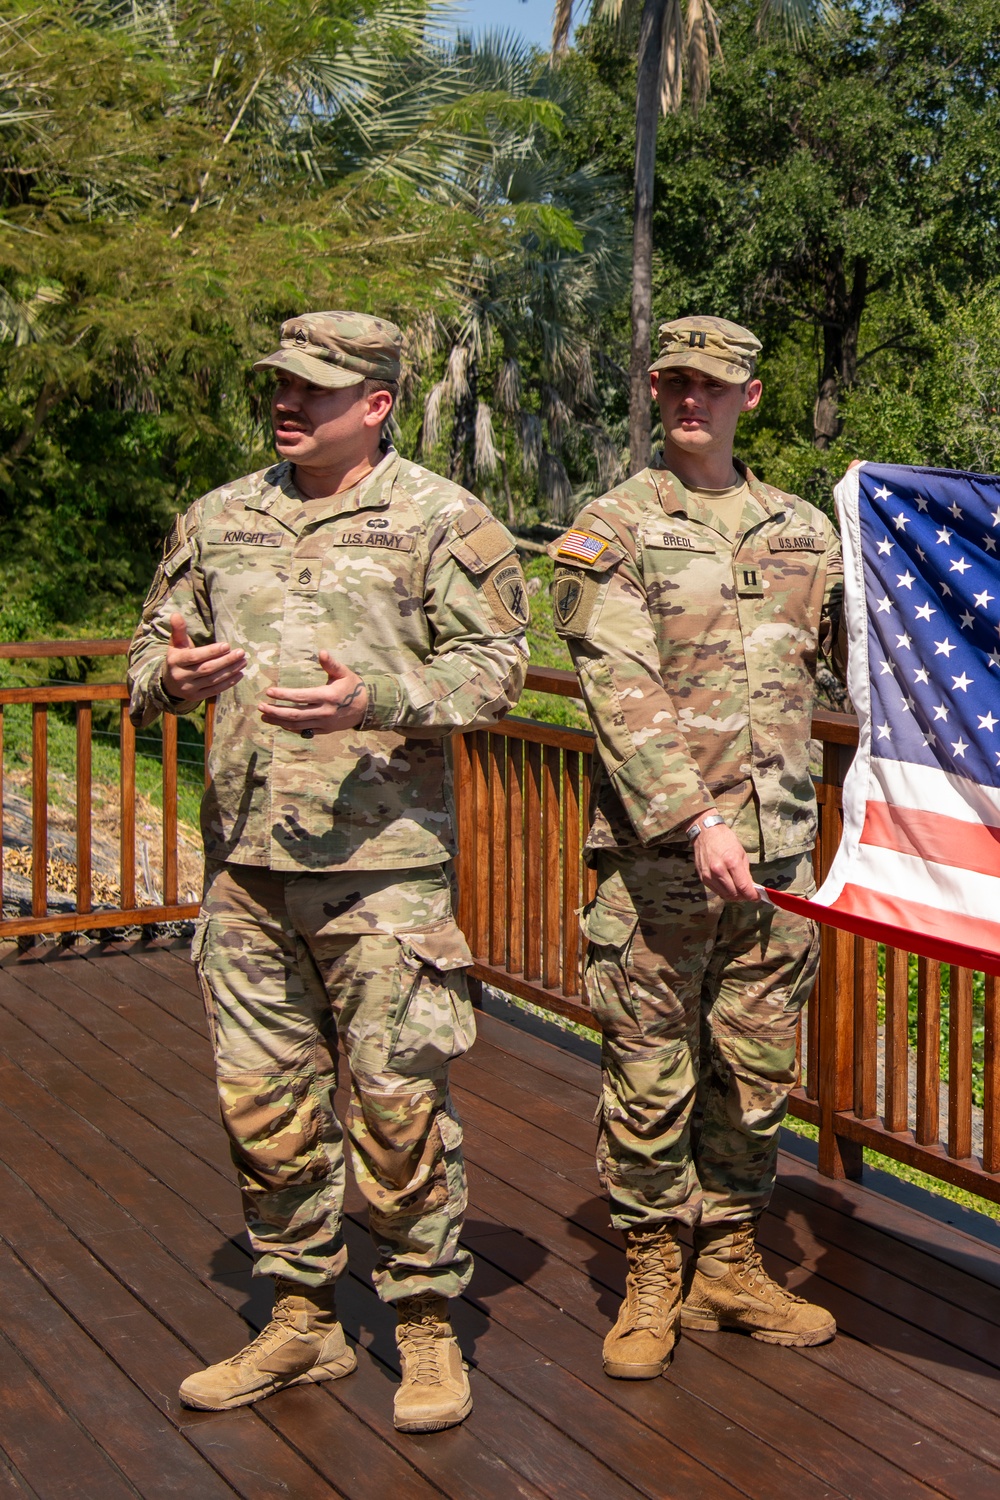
581	546
483	548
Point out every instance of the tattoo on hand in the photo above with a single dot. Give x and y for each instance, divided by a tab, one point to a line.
355	692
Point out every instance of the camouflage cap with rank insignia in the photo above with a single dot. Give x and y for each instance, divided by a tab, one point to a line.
337	349
713	345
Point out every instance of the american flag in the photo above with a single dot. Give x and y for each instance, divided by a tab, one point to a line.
919	862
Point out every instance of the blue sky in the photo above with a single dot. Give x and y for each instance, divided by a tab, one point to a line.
532	18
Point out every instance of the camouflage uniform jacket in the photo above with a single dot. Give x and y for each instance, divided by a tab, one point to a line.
407	579
696	652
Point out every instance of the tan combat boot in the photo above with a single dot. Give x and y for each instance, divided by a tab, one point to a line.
303	1343
729	1288
435	1390
641	1342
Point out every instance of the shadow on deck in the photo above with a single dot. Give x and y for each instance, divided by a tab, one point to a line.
125	1266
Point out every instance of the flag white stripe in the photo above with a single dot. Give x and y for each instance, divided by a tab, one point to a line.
944	887
924	787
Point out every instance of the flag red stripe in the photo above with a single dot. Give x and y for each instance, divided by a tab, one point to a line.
932	837
924	930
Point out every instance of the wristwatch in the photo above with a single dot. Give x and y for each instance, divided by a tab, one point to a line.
710	820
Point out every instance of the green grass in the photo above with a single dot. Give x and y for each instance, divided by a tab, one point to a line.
105	755
894	1168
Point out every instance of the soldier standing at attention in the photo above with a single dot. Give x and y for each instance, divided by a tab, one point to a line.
694	599
349	610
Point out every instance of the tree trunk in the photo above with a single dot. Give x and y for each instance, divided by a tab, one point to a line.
462	462
48	397
647	114
843	311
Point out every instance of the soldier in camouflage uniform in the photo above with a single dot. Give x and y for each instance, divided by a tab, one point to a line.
350	611
694	599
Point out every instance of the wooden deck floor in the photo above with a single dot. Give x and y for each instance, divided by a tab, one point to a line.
124	1266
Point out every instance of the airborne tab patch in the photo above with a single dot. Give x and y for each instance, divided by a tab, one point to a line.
581	546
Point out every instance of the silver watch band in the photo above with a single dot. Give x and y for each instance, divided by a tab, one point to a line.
710	820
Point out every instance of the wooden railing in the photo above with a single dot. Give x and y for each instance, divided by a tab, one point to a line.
522	792
128	911
871	1037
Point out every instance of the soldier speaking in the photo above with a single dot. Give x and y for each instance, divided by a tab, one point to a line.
349	610
694	600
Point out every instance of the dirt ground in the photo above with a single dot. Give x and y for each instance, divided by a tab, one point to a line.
105	821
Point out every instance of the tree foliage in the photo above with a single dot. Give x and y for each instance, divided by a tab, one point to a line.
176	179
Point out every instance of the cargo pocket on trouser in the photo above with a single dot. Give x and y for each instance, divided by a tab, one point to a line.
609	933
433	1019
406	1141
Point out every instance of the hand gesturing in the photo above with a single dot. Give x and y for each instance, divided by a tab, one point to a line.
193	673
341	704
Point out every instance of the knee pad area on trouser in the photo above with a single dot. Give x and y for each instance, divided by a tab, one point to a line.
407	1149
277	1126
749	1081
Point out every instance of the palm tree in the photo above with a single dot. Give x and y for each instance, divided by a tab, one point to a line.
674	41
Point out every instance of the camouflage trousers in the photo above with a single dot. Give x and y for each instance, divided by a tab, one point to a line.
698	1001
286	963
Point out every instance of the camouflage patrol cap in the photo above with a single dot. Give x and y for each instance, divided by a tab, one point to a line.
337	349
712	345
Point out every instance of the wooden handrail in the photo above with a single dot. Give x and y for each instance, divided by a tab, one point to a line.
522	795
42	650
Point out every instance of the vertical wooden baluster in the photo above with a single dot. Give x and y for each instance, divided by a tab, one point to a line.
812	1040
571	874
498	851
465	831
209	733
959	1062
838	1157
39	809
169	723
928	1051
865	1028
515	856
481	874
897	1056
84	806
127	811
1	811
551	882
589	874
532	861
991	1075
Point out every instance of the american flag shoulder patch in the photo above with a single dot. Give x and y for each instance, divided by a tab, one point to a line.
581	546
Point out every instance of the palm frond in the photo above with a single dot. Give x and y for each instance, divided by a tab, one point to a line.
432	415
700	25
671	58
793	17
487	458
562	20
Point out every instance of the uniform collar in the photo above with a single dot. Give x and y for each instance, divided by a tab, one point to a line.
676	500
279	498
